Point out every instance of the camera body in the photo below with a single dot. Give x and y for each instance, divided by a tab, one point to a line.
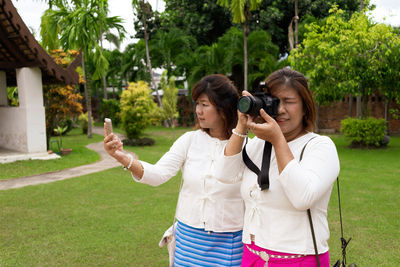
251	105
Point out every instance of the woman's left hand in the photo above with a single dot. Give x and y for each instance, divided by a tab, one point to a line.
268	131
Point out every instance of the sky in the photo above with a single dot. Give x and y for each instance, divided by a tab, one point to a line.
387	11
31	11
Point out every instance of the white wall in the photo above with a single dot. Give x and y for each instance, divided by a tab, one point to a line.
23	128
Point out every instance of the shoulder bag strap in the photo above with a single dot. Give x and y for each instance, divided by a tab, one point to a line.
309	213
344	242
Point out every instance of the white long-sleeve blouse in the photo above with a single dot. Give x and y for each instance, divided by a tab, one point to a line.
277	217
204	201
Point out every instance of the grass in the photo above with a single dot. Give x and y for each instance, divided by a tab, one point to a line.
80	155
369	185
106	219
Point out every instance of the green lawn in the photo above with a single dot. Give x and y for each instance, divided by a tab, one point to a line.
369	187
106	219
80	156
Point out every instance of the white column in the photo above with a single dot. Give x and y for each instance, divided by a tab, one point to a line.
3	89
30	93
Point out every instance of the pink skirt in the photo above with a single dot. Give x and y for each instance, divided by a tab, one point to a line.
250	259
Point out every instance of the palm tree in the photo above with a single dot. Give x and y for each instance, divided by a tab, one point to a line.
241	12
109	22
144	10
207	60
81	21
163	48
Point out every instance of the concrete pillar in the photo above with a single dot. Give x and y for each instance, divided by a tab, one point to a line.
3	89
30	93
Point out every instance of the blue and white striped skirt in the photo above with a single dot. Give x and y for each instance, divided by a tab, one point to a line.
196	247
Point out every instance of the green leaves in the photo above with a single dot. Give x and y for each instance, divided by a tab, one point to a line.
348	57
101	64
138	109
240	7
80	24
364	132
170	98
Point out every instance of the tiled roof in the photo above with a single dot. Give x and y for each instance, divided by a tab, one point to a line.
19	48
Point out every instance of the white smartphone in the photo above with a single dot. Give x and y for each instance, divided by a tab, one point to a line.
109	128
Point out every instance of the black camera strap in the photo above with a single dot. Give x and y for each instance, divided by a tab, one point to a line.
263	174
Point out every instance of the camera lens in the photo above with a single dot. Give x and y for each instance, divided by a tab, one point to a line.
245	104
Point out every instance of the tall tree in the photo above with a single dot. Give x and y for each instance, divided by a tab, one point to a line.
225	57
79	22
337	63
144	12
163	48
241	11
61	102
114	75
108	24
274	16
204	20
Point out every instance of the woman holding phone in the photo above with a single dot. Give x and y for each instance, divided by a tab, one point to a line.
209	213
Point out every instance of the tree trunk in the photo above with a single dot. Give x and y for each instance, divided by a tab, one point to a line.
358	103
88	97
246	31
358	107
317	118
361	5
153	83
105	87
364	107
290	35
245	56
104	77
350	105
296	36
387	115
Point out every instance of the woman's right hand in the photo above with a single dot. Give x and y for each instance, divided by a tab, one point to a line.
242	118
113	145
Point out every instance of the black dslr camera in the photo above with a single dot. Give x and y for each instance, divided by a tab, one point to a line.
252	104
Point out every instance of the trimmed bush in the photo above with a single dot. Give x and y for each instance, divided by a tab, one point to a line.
170	99
139	142
84	122
138	109
365	132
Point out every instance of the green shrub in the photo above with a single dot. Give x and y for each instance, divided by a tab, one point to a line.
84	122
365	132
138	109
12	94
110	108
139	142
65	123
170	99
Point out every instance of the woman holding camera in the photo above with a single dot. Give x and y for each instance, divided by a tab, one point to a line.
209	214
276	229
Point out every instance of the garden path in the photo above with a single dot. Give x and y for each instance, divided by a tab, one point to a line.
106	162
